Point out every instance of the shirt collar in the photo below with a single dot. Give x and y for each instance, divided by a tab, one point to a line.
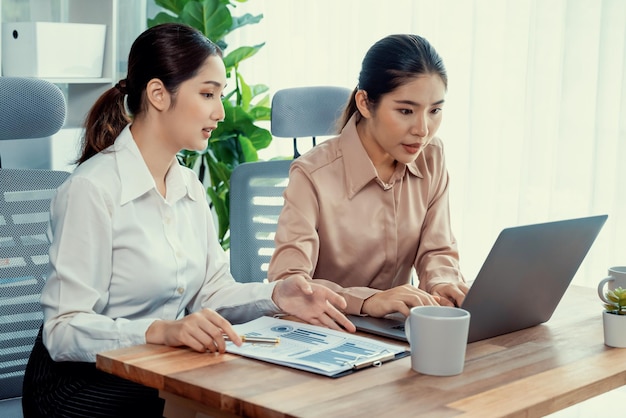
359	169
136	179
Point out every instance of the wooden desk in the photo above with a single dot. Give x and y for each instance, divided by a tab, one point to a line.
528	373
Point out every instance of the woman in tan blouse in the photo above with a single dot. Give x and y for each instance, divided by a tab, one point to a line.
366	207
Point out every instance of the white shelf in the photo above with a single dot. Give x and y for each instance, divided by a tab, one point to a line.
80	93
108	81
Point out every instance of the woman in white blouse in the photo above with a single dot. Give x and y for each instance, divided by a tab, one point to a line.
133	242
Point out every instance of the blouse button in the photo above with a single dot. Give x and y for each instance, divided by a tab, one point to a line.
180	290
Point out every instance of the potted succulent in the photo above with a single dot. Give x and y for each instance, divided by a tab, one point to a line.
614	318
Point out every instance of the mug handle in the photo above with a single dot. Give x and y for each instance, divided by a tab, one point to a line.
407	327
601	288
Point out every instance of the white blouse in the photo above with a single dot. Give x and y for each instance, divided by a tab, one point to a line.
122	256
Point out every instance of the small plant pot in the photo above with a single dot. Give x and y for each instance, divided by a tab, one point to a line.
614	329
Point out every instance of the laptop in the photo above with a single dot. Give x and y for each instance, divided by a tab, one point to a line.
521	282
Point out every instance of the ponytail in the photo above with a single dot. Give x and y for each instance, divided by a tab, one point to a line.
105	121
348	111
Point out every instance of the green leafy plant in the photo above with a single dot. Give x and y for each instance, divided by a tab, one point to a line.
617	299
237	139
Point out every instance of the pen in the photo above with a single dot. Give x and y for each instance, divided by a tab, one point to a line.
376	362
265	340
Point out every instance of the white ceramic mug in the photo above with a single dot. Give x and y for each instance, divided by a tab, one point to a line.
438	339
615	279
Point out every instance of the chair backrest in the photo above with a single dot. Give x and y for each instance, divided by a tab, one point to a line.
307	112
29	108
256	188
24	213
256	199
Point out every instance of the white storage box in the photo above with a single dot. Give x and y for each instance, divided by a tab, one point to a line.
52	50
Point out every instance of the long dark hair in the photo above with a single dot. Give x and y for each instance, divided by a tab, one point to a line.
391	62
170	52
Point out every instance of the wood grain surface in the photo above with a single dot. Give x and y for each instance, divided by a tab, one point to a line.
529	373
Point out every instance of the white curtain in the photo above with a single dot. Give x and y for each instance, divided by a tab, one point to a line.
535	116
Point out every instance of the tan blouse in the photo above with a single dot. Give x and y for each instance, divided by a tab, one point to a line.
345	228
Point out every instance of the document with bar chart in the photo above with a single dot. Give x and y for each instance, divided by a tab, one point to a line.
313	348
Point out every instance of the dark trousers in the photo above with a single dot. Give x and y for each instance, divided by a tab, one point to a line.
75	389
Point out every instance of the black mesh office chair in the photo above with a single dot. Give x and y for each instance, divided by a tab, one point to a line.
256	188
29	108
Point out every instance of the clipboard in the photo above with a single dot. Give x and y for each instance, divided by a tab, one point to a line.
313	348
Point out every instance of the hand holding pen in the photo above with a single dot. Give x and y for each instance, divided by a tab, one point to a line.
202	331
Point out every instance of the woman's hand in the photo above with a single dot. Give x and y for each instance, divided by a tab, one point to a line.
201	331
450	294
312	303
397	299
